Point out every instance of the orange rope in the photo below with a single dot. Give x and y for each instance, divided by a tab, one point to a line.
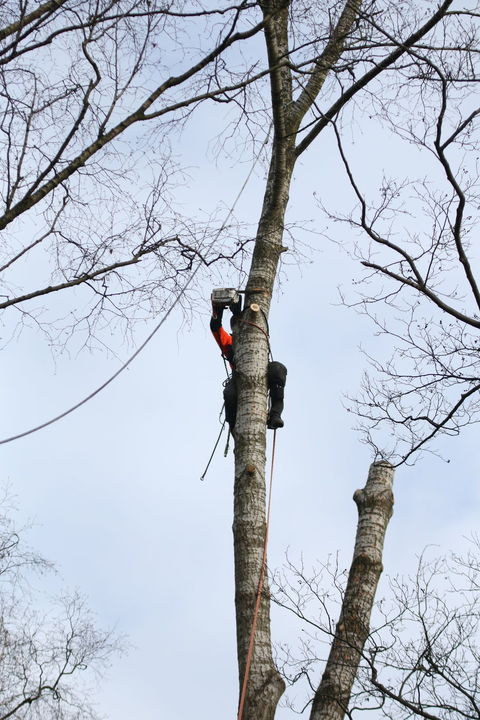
247	322
259	593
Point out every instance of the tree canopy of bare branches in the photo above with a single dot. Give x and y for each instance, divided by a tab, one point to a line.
46	644
421	657
363	55
417	243
91	95
94	96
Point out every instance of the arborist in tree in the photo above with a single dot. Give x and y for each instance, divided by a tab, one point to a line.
276	372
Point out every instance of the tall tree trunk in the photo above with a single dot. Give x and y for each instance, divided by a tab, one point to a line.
375	508
265	686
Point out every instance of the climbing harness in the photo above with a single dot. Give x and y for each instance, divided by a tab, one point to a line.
251	642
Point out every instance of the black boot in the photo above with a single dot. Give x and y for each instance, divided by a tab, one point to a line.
275	421
230	399
276	378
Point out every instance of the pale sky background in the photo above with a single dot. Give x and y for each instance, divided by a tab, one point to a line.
114	490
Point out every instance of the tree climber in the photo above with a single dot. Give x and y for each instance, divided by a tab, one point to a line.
276	372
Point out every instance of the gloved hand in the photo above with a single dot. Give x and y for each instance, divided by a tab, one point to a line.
217	310
236	308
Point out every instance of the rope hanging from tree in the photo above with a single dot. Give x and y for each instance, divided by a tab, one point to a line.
251	642
156	328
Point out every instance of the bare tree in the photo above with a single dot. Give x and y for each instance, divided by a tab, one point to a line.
81	78
90	93
417	243
421	655
357	52
45	647
423	660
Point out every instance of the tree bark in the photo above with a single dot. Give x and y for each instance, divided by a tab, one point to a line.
265	685
375	508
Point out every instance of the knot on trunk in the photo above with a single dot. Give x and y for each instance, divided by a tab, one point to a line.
378	499
377	493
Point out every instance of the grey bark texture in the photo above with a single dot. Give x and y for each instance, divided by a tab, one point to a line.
251	353
375	508
265	685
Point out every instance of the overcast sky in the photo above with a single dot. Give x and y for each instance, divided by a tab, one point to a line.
114	489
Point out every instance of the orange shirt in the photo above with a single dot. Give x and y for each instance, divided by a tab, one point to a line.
224	342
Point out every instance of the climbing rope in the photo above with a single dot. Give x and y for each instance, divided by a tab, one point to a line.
213	451
263	568
252	324
112	377
157	327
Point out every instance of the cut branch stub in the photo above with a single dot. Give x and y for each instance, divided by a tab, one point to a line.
375	507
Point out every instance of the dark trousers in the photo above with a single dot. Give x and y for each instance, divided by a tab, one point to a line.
276	379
